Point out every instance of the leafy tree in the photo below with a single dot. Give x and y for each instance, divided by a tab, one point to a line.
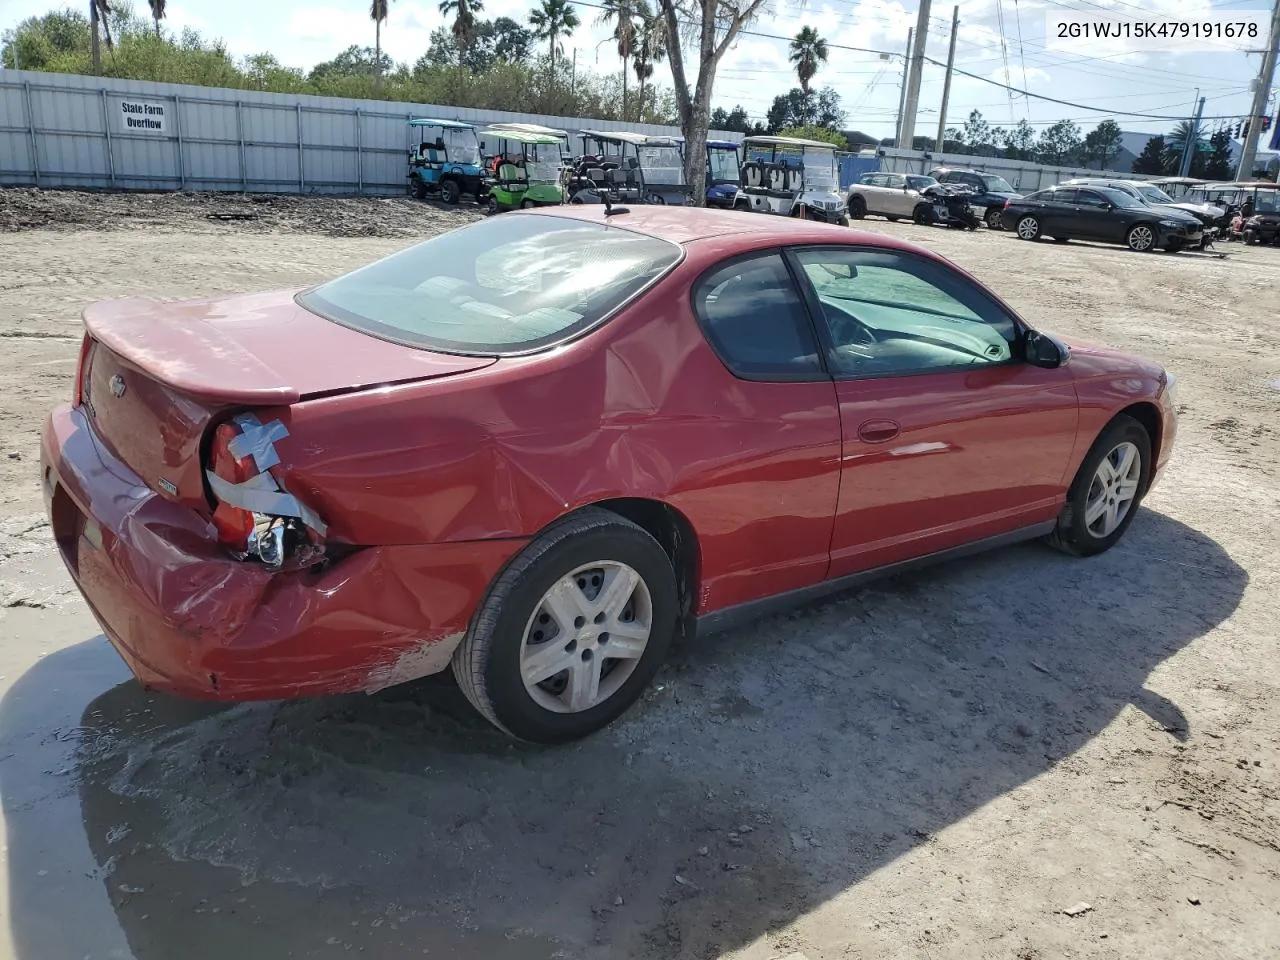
1218	165
378	14
464	20
1103	143
355	61
977	134
623	14
651	46
1176	142
825	134
495	40
1154	157
157	12
551	20
796	108
1060	143
808	52
713	25
735	120
1020	141
953	141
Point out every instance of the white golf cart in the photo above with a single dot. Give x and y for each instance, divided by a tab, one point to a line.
790	177
625	166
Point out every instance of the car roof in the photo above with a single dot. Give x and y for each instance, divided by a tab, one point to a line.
720	144
688	224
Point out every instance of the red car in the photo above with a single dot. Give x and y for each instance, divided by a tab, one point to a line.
538	448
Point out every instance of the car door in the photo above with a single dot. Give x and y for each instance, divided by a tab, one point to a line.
1095	217
872	190
898	201
767	464
947	436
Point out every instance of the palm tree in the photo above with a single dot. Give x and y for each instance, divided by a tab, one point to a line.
808	52
651	48
1176	142
464	22
99	13
551	20
157	13
623	14
378	10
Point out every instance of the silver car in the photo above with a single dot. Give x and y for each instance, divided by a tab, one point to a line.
892	195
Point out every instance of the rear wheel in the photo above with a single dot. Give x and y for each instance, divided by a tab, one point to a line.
1106	491
419	188
572	631
994	219
450	192
1141	238
857	207
1028	228
491	206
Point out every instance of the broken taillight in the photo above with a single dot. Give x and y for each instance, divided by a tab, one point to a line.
234	524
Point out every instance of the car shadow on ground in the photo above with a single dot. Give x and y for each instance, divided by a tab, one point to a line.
768	770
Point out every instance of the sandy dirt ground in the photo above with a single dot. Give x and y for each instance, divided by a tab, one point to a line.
1018	756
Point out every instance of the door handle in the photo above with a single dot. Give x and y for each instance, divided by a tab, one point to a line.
878	431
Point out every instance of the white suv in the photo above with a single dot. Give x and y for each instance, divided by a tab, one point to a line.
892	195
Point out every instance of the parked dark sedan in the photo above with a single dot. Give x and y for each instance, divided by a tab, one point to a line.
1100	213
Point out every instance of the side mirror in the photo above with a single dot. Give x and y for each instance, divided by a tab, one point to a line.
1042	350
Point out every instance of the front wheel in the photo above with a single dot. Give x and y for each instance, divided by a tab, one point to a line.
923	214
1028	228
450	192
572	631
491	206
1106	491
1141	238
527	204
994	220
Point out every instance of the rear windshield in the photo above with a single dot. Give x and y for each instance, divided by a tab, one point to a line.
502	285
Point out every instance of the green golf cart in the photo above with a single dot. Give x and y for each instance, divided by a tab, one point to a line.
524	170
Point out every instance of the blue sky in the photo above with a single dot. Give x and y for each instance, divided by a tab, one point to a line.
756	70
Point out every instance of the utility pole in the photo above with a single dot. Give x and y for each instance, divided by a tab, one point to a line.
573	77
93	30
946	84
913	77
902	94
1193	140
1261	92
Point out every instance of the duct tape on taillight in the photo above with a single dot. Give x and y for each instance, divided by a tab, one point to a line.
257	440
262	494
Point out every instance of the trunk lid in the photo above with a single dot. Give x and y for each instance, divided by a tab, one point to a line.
157	375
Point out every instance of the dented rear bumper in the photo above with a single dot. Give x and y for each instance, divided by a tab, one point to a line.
190	620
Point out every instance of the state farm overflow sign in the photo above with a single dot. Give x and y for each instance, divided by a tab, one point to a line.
139	116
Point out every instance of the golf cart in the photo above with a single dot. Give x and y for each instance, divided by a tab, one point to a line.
790	177
724	176
562	137
628	166
1260	212
447	164
524	171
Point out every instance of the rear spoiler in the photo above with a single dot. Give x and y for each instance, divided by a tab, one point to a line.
184	353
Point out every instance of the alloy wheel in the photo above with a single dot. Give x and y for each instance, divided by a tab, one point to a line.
1028	228
1113	489
1141	238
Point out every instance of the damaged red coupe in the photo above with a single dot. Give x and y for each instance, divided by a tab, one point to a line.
538	448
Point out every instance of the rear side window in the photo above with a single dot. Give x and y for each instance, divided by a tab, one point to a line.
502	285
756	321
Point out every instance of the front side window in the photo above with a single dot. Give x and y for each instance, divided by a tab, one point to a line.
1090	199
1153	194
897	181
756	321
496	286
996	184
920	183
895	313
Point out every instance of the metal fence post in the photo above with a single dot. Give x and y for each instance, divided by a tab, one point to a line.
359	157
244	173
31	133
177	126
302	182
106	129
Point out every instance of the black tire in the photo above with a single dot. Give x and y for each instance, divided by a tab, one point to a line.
857	207
419	189
1141	238
1251	238
450	191
923	214
1027	228
487	662
742	207
527	204
1072	534
994	219
491	207
1061	239
843	221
